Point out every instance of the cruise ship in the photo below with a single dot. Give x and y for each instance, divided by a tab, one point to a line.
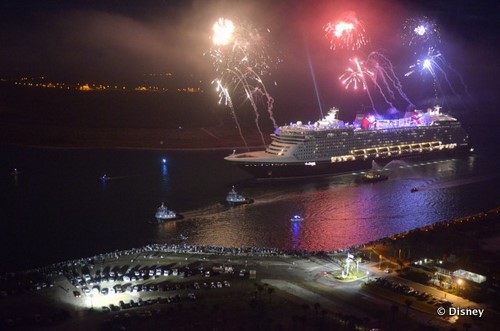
331	146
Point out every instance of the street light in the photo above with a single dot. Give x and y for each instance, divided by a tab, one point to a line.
459	282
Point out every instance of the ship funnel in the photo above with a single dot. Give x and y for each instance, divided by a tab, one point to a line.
334	112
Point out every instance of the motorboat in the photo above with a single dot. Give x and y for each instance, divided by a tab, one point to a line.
373	177
163	214
233	198
296	218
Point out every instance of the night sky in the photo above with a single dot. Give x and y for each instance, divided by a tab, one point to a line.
117	40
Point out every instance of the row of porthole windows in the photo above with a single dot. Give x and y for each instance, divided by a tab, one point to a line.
327	146
430	133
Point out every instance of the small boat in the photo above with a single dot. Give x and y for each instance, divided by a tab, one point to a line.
15	172
233	198
296	218
163	214
372	177
413	190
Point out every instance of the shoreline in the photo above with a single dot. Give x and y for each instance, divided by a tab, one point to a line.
143	286
166	149
174	139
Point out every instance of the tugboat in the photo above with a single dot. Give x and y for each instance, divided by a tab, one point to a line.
235	199
373	177
296	218
163	214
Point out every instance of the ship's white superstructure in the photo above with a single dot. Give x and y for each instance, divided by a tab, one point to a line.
300	146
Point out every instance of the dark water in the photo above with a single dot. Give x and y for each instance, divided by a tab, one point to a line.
57	207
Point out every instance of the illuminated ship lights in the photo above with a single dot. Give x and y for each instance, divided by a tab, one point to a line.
394	151
332	146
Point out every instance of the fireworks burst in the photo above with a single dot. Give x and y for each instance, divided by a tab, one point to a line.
348	32
223	32
356	76
436	65
240	58
375	74
428	63
421	32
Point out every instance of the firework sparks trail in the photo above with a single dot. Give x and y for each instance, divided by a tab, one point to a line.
421	32
384	69
466	89
224	95
377	73
347	32
240	58
250	91
391	93
439	62
223	36
262	91
380	72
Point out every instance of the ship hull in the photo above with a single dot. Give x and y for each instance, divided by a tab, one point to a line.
233	204
374	179
166	220
290	170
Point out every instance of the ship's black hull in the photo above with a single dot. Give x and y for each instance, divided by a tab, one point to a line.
300	169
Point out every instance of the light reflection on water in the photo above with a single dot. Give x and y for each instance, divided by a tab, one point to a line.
59	203
340	211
